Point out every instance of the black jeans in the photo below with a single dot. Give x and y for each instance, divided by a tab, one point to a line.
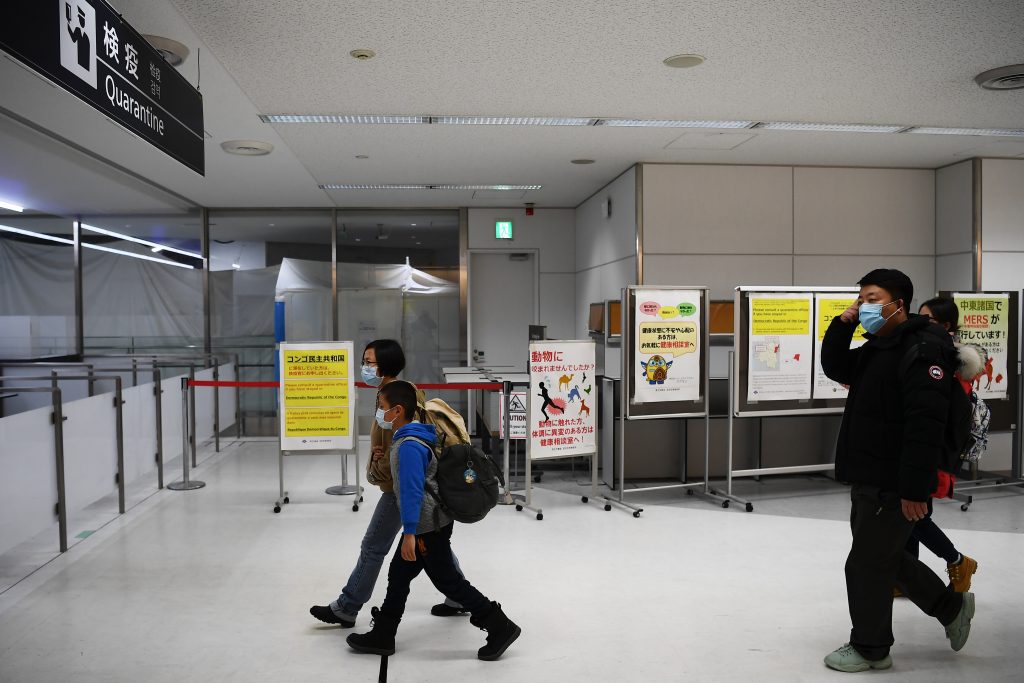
927	533
433	556
878	561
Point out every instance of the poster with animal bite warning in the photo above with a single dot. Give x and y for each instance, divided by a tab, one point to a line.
666	345
563	399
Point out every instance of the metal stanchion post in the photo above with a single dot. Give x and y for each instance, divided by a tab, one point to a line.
185	484
58	448
507	498
216	409
158	400
344	489
192	412
118	403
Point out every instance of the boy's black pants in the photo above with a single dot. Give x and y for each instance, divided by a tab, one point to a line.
433	556
878	562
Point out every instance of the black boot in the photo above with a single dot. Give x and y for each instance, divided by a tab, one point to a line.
381	638
501	632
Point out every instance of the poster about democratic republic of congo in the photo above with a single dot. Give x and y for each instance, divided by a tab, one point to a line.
317	396
667	345
827	307
984	321
780	345
563	399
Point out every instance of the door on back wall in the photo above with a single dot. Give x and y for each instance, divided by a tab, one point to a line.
502	306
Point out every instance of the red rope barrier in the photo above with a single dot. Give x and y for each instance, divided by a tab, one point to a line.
490	386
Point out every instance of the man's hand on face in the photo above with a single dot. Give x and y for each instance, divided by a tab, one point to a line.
851	314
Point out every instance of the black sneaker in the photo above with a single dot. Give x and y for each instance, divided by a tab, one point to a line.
445	610
325	614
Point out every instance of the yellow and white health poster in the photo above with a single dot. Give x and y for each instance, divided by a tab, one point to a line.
667	345
317	396
984	321
779	364
828	306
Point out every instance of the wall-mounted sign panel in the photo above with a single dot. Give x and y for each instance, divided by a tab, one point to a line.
88	50
503	230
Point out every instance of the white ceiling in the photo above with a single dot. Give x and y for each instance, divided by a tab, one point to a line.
910	62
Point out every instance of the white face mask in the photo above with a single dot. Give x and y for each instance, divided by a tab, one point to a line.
380	419
369	375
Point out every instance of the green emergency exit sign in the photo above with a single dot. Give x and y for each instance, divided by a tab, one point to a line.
502	230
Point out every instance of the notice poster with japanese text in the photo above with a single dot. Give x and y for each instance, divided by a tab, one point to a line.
666	343
563	399
984	322
827	307
779	363
317	396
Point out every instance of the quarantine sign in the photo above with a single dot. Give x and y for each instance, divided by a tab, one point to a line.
317	396
984	322
667	345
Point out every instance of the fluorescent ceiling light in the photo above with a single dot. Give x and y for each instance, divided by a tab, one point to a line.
137	240
512	121
340	118
11	207
831	127
156	250
37	235
97	247
990	132
356	186
671	123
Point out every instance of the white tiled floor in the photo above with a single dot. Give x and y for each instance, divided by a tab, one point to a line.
211	585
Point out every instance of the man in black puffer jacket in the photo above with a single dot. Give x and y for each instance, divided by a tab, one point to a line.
889	444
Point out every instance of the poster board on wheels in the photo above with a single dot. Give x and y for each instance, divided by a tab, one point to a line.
777	366
665	349
991	320
317	396
563	399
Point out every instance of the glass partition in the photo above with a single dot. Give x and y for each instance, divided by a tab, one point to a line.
257	257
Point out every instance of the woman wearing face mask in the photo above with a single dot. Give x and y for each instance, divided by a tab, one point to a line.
383	361
960	567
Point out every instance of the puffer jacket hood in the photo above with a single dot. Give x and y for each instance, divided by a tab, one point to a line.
972	360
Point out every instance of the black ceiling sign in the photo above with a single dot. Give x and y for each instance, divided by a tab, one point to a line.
85	47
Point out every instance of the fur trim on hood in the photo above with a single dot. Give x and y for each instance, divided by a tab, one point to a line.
972	360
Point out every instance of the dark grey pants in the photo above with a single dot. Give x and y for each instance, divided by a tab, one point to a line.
877	563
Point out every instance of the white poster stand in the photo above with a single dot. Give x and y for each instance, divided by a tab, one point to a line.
317	408
561	413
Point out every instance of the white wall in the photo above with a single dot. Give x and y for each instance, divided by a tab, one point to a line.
549	232
605	246
779	225
954	226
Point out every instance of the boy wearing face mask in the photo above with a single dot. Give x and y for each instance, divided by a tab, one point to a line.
889	443
383	361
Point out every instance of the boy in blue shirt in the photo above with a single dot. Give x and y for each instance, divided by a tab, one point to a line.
426	535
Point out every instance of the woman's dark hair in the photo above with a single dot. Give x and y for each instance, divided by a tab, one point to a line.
400	393
390	357
944	310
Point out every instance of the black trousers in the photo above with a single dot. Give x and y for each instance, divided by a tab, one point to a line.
878	561
928	534
433	556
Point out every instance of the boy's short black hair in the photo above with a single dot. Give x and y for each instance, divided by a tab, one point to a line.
944	310
893	281
390	357
400	393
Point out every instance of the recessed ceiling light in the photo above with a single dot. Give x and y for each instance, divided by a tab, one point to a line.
270	225
582	162
363	54
988	132
171	50
341	118
512	121
684	61
10	206
359	186
673	123
419	243
247	148
830	127
1004	78
413	224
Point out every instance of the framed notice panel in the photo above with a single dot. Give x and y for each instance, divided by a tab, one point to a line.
317	397
665	351
562	413
990	320
778	333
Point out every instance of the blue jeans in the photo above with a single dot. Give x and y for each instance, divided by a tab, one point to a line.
385	524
